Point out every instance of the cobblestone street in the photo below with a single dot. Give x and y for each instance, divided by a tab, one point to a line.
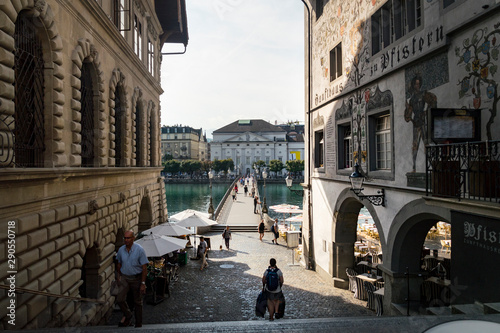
228	288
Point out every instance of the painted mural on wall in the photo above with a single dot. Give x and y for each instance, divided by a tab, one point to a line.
349	22
478	55
419	80
372	99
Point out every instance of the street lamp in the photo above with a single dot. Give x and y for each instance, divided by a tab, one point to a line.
264	207
289	182
211	206
357	180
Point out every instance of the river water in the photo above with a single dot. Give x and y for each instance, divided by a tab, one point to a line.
197	196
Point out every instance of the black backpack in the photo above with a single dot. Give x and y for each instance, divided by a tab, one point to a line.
272	279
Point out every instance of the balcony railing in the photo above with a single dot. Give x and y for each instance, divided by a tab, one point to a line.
464	171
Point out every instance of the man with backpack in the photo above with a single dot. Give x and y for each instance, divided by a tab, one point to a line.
272	281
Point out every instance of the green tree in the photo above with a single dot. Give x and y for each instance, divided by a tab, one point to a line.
172	166
276	166
227	164
206	165
167	157
294	166
217	165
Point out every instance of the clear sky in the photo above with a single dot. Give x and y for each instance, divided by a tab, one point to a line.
244	60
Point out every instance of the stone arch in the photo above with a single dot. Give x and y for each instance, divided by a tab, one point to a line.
344	228
86	52
404	242
53	86
90	288
407	234
139	121
145	214
117	82
153	134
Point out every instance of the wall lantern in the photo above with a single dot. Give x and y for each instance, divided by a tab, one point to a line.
357	180
289	182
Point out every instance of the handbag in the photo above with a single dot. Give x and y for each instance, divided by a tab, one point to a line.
118	289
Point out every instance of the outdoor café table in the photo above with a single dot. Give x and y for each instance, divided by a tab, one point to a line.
360	290
438	291
367	266
431	261
379	301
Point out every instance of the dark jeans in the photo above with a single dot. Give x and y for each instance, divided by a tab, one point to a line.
134	287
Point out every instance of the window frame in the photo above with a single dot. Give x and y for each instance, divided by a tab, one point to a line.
121	11
319	149
137	37
341	147
372	117
403	18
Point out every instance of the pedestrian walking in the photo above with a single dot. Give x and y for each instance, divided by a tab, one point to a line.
202	252
236	188
245	188
233	194
253	191
276	231
255	203
131	270
272	282
261	229
227	236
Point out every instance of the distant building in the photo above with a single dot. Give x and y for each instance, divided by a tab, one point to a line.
248	141
184	142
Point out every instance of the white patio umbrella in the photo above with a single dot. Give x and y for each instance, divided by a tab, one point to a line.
168	229
297	218
156	245
192	218
283	206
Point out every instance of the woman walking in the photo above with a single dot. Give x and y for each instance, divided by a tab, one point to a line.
261	229
227	236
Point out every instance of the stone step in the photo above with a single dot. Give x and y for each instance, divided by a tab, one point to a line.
491	308
401	308
234	228
468	309
438	310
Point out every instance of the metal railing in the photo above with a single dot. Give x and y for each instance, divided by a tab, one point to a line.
464	171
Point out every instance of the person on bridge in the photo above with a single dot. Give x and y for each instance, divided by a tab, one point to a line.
131	270
261	229
227	236
255	203
272	281
233	194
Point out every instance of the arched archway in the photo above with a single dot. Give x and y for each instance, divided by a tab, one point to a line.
90	274
347	209
52	123
145	214
404	249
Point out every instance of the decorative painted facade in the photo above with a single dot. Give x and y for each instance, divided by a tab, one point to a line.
391	82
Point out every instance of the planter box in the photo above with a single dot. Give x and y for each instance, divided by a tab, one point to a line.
446	179
484	179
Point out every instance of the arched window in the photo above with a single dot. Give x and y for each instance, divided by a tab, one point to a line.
29	131
119	122
139	135
88	118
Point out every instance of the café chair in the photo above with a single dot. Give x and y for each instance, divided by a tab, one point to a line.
351	273
370	288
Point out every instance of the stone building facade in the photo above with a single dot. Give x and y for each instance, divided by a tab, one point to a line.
184	142
248	141
79	149
399	88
